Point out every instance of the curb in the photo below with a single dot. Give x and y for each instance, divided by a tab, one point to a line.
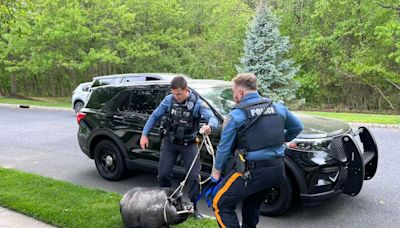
13	219
35	107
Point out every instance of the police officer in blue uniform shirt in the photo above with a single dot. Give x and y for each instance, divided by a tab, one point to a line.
254	134
183	110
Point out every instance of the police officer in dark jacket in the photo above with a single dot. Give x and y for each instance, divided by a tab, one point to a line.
254	134
183	110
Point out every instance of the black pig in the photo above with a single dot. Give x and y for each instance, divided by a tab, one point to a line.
144	207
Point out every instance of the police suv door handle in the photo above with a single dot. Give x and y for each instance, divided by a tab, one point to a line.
118	117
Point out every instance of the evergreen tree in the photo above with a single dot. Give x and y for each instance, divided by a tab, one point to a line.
265	51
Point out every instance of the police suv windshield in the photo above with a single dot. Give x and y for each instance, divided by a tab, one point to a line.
219	98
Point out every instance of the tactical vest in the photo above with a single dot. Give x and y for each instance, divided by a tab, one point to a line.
263	127
183	123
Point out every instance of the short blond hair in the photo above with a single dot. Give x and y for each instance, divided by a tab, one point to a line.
246	80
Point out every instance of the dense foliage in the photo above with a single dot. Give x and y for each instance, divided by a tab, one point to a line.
348	51
47	47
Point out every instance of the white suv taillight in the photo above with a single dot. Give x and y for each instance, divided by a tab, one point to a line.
80	116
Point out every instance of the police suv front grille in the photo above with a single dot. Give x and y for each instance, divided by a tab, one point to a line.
337	149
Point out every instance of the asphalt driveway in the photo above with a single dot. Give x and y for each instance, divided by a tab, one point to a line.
44	142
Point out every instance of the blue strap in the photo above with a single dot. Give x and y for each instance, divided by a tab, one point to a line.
204	193
206	196
210	194
215	190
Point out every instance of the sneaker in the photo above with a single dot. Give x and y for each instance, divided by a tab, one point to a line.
198	215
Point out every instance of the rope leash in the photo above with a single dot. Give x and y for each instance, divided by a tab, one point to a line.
207	142
210	150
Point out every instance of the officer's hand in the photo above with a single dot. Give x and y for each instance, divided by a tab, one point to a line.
205	129
144	142
215	174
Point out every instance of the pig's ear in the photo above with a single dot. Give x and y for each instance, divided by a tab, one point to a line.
171	200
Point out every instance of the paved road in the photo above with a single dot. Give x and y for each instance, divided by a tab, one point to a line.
44	142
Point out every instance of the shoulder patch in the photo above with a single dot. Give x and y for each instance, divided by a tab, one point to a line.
190	105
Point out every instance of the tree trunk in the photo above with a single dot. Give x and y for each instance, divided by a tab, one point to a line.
74	80
61	81
13	91
29	83
52	85
35	84
379	104
26	86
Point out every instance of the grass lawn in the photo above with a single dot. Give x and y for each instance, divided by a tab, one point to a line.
62	102
358	117
65	205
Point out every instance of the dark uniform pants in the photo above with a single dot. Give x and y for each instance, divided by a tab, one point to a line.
234	189
169	153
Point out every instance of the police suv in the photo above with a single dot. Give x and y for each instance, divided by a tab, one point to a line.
323	161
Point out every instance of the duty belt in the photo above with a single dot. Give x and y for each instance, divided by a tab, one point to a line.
258	164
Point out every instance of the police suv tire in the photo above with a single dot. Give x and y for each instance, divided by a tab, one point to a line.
282	202
109	161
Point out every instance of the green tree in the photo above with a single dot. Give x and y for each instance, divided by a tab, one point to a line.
347	51
216	31
57	41
14	18
266	56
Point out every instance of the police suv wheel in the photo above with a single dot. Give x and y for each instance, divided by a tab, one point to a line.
278	198
108	160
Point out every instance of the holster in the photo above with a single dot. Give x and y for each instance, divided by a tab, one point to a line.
236	162
240	161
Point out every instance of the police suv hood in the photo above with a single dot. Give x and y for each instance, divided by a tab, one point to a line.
319	127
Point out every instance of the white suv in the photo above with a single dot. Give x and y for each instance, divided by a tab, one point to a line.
81	93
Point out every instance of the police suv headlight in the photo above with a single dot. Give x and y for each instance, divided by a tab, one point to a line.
308	145
313	151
